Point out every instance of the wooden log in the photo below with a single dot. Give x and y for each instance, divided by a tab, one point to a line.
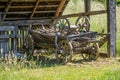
111	20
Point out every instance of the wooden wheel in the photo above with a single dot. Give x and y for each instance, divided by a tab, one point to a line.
28	46
64	51
83	24
62	26
94	51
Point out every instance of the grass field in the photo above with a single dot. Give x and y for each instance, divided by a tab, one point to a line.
101	69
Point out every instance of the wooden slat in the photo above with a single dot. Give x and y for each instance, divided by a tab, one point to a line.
21	6
85	14
7	9
34	9
111	16
60	8
7	28
41	6
27	12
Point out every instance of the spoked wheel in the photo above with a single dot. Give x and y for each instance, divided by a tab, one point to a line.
83	24
62	26
28	46
64	51
94	51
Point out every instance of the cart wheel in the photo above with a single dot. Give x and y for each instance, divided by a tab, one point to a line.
94	51
83	24
62	26
64	51
28	46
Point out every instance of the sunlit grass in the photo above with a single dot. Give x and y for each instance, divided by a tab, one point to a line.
96	70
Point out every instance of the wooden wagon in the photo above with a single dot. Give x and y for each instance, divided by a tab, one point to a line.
66	40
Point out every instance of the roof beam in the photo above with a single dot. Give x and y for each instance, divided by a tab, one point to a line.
60	8
34	9
7	9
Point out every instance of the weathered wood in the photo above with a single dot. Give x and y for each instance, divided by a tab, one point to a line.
60	8
103	40
7	9
7	28
87	5
85	14
111	14
87	9
26	22
15	40
0	17
34	9
27	12
28	0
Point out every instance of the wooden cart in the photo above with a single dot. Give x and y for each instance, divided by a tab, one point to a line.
65	39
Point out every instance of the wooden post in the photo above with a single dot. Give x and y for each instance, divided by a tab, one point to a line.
15	40
87	4
111	19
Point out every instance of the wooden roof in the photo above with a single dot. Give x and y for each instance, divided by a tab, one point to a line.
14	10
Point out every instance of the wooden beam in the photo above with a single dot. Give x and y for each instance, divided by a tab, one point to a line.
85	14
7	9
111	19
60	8
34	9
26	22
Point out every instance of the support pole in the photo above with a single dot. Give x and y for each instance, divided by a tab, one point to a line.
111	20
87	4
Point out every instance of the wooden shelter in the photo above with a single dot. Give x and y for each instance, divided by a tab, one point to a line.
32	12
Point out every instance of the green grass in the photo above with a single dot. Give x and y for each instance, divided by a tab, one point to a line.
96	70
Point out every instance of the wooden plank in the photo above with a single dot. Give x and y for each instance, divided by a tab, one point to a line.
111	19
26	18
29	0
30	6
0	17
27	12
7	28
26	22
84	14
34	9
15	40
21	6
60	8
7	9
